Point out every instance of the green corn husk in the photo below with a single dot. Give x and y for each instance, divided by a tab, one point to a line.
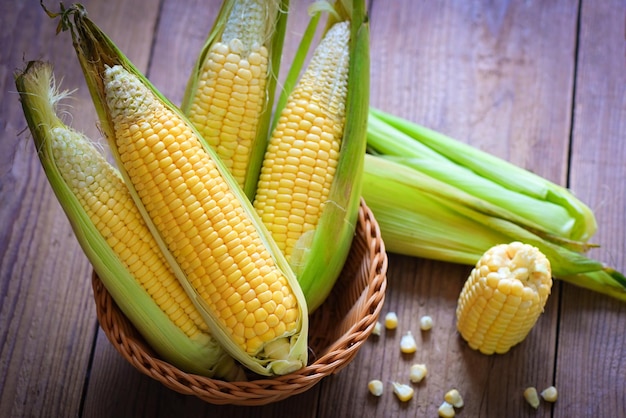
201	354
274	33
437	198
320	255
96	52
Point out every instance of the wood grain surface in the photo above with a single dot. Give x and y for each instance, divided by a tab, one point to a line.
540	84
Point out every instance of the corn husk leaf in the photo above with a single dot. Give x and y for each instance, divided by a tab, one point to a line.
544	202
430	206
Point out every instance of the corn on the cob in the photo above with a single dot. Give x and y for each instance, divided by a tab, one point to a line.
438	198
503	297
309	186
302	154
114	236
206	227
230	93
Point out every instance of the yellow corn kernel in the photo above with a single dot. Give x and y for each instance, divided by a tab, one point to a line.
403	392
446	410
229	97
426	323
417	372
375	387
530	394
391	320
302	154
377	329
550	394
503	297
220	251
105	198
454	398
407	343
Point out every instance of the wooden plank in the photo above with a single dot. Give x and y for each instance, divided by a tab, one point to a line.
591	372
499	78
47	320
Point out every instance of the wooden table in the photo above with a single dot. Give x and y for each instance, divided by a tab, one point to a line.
541	84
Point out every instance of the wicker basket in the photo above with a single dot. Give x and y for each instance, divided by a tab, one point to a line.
337	330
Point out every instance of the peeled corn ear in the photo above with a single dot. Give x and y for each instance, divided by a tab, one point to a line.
206	227
503	297
112	234
230	92
310	183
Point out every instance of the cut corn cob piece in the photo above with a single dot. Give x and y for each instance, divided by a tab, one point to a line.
503	297
309	186
115	238
205	225
230	93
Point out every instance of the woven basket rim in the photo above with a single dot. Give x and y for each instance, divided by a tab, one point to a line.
124	338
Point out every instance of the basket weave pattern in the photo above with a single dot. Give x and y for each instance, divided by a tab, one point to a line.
337	329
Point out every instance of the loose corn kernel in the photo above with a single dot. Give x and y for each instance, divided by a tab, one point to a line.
446	410
426	323
375	387
549	394
377	328
454	398
530	394
403	392
417	373
407	343
391	320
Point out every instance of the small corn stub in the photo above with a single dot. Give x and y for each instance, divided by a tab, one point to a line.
503	297
230	92
114	237
211	236
310	182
